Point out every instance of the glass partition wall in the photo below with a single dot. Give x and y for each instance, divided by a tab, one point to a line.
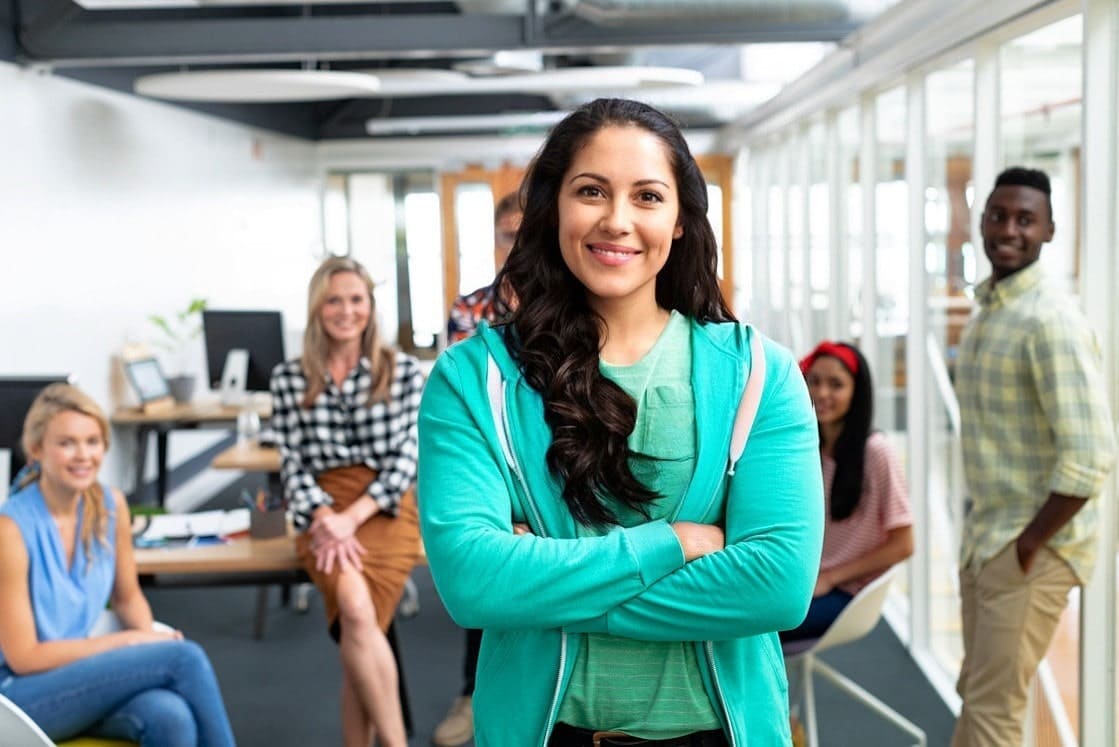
951	267
1012	96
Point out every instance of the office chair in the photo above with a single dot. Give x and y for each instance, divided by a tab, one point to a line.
18	730
858	618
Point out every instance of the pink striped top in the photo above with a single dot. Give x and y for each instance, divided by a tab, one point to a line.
884	506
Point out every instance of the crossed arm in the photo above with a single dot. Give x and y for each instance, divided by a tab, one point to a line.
635	582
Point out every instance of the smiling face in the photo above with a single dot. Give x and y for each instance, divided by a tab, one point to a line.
1016	222
831	387
346	308
71	452
618	215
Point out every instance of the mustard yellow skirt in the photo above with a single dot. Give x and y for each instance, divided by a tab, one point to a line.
392	546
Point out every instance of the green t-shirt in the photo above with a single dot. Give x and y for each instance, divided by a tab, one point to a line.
648	689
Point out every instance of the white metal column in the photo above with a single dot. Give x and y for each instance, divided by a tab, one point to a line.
839	313
742	297
868	153
986	162
761	306
916	363
1098	274
809	334
784	179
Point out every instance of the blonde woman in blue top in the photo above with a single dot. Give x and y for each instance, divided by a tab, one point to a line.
629	581
66	551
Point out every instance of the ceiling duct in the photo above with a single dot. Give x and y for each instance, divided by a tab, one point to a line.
618	12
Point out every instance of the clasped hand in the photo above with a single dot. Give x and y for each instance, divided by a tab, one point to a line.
696	540
135	636
333	541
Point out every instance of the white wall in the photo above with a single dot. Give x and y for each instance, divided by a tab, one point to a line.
114	207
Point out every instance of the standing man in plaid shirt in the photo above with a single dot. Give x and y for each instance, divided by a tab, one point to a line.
457	727
1038	443
472	308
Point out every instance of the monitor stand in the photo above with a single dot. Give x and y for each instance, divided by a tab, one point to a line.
233	377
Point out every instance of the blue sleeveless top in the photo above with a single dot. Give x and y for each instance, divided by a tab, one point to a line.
66	602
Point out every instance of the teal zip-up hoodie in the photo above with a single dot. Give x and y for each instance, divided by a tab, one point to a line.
535	595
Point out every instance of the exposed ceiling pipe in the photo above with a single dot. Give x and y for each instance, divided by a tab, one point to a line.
617	12
142	4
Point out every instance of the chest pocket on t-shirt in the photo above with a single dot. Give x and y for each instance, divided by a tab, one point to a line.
668	430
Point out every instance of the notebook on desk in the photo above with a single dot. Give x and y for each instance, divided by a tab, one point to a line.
164	529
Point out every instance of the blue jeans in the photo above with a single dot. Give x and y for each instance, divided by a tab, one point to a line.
821	614
157	694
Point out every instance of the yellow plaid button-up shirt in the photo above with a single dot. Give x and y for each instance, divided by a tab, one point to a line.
1034	416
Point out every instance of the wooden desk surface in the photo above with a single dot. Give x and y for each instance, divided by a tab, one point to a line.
190	412
242	555
250	458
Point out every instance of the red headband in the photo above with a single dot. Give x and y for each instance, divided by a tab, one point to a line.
845	355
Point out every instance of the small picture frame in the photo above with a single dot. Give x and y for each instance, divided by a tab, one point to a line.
147	381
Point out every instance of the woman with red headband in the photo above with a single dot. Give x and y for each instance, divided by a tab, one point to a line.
868	525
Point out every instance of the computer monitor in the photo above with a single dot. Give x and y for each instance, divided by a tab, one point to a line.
16	395
259	333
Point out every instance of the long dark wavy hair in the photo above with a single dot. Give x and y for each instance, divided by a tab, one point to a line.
555	335
850	448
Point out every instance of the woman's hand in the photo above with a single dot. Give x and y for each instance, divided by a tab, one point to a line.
344	552
698	540
136	637
331	526
824	584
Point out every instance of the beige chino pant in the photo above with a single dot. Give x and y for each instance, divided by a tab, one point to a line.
1008	621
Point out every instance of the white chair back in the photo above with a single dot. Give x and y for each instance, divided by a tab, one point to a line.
17	730
857	619
110	623
859	616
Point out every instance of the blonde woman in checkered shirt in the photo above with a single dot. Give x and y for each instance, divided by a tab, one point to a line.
345	418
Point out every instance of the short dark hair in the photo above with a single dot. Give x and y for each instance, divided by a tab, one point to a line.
1020	176
510	203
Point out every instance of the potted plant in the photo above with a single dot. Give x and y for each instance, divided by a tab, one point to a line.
176	333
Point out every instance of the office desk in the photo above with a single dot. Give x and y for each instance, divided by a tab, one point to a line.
250	458
189	416
239	562
240	556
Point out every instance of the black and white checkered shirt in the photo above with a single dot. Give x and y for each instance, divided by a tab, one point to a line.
340	430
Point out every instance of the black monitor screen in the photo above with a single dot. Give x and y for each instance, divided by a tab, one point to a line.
16	395
261	333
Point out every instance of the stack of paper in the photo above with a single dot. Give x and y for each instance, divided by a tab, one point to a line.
200	524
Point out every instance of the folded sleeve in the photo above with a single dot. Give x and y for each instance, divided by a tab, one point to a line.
399	462
763	580
1065	363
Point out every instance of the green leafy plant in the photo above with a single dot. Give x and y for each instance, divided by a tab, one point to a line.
178	330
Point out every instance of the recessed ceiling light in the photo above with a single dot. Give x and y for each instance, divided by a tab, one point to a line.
263	86
257	86
463	123
407	83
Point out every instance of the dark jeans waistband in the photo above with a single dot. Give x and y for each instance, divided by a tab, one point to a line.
565	735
